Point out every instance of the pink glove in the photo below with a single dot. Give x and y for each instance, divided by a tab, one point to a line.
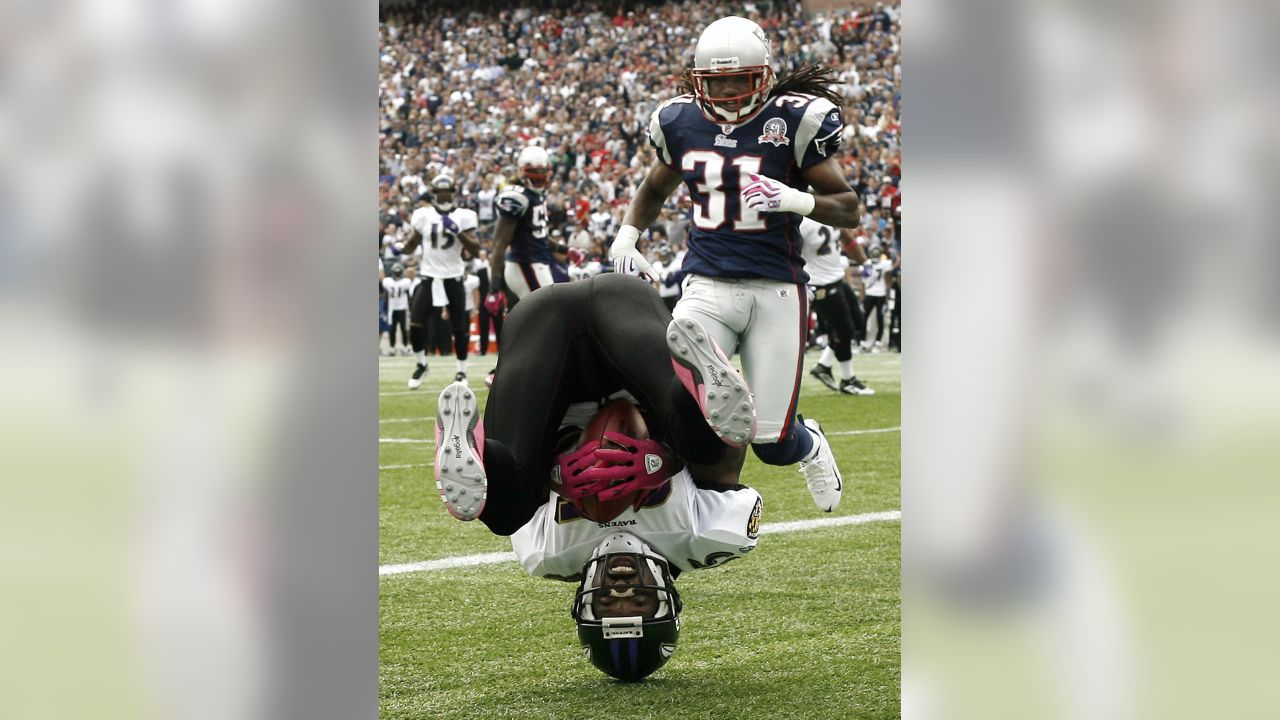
768	195
639	465
570	469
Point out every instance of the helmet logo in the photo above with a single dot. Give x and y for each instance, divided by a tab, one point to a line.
725	63
775	133
667	650
764	39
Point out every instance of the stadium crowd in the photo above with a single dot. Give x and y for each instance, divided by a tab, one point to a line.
464	86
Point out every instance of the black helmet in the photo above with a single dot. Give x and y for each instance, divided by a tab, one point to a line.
631	642
443	193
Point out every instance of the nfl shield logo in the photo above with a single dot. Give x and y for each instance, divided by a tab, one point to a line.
775	133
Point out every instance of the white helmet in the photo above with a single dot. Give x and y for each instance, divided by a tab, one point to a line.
534	166
732	47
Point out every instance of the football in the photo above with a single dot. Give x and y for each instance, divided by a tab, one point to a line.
620	416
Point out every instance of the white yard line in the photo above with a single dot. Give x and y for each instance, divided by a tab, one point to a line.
405	420
501	557
413	441
403	467
869	431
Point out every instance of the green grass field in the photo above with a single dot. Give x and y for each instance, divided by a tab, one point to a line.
807	626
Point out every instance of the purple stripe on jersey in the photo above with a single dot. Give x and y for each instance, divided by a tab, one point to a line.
615	647
635	655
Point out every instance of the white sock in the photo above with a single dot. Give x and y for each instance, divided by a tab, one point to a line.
421	355
846	369
827	357
462	366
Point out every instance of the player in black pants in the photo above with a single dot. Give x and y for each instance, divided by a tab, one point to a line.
832	305
566	343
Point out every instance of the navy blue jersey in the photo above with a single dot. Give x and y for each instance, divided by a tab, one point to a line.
529	210
794	131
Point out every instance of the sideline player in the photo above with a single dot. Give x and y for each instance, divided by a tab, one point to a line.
443	231
826	266
739	140
397	288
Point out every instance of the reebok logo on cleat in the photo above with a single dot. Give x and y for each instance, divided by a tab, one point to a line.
457	447
715	376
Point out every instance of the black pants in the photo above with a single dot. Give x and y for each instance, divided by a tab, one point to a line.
576	342
397	322
855	310
423	314
895	324
833	310
483	317
875	304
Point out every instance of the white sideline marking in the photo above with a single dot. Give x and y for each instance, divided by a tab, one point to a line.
403	467
863	432
408	440
501	557
402	420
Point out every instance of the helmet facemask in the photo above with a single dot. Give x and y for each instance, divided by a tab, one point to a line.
443	194
627	608
734	107
736	51
534	166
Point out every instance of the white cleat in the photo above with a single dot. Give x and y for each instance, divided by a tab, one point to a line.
721	393
821	473
854	386
415	382
459	467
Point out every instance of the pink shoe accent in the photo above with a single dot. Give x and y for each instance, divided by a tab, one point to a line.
718	388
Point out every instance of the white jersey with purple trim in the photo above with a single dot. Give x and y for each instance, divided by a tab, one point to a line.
822	258
690	528
441	251
876	282
398	290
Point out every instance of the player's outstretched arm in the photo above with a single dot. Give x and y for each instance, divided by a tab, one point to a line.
835	203
856	254
645	206
658	185
415	239
502	234
469	243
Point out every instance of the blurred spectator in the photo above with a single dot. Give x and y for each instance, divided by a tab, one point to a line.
463	86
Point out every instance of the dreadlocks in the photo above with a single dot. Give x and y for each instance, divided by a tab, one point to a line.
810	78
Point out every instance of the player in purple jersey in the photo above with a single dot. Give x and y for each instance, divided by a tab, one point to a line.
742	142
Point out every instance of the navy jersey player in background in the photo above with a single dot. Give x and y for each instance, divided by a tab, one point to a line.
742	142
521	260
